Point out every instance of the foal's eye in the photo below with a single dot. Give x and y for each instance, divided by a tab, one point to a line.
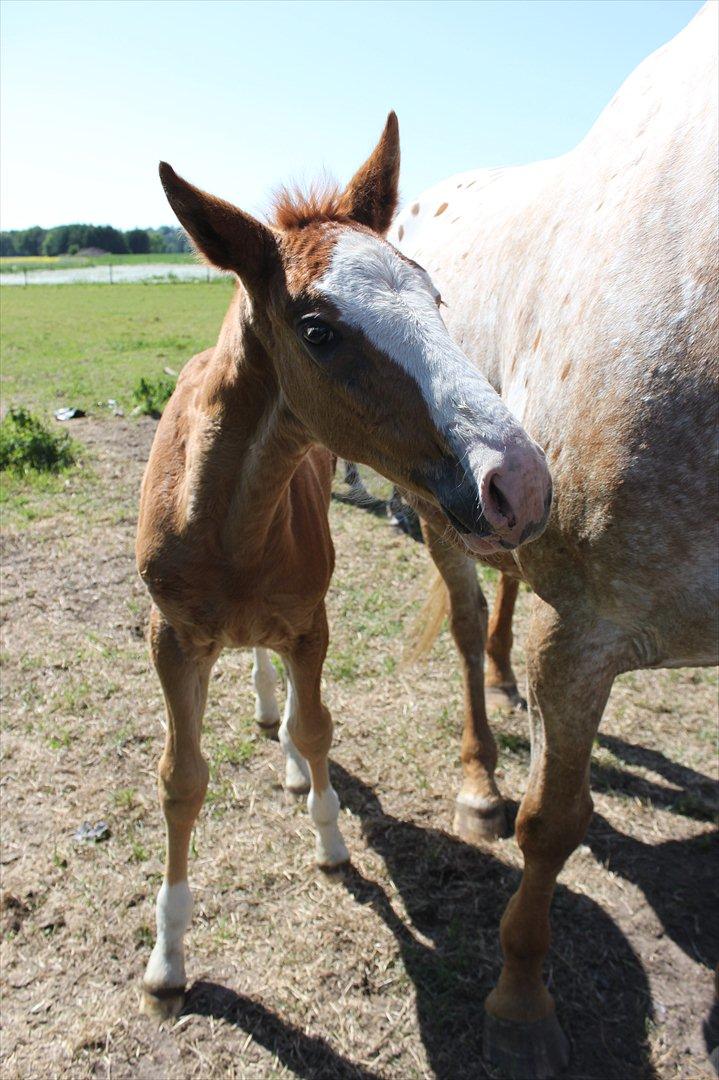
317	334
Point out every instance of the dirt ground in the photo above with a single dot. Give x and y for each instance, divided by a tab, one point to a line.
383	973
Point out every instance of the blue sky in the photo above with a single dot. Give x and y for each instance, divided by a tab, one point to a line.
241	96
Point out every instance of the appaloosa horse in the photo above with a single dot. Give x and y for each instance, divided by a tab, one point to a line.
333	340
585	289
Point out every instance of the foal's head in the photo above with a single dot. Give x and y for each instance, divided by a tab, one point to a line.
362	357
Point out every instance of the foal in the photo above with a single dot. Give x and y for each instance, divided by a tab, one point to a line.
332	340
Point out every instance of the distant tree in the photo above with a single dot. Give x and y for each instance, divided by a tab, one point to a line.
137	241
56	240
107	238
28	241
7	245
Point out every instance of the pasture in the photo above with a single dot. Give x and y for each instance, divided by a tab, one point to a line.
380	973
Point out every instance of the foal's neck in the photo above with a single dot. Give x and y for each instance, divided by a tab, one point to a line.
251	444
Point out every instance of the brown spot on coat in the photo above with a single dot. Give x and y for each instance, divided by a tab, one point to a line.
537	339
415	208
400	231
565	371
441	209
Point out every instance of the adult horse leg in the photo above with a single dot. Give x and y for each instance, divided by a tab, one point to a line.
500	683
480	812
571	665
264	679
183	778
306	732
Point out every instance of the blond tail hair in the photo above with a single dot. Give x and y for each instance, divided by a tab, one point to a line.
426	627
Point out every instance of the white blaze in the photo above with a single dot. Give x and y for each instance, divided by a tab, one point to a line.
394	304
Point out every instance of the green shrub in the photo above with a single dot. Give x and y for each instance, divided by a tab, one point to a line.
151	395
26	445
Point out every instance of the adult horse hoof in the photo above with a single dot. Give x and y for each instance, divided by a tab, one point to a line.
269	729
162	1004
505	698
480	823
517	1051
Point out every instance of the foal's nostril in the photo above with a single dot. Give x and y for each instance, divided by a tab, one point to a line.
500	503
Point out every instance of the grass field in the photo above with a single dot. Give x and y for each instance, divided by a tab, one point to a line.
15	264
383	973
80	344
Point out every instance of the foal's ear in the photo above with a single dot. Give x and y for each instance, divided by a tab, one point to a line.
228	237
371	195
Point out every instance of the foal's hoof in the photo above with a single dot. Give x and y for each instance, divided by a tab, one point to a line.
162	1004
517	1051
296	791
269	729
505	698
477	824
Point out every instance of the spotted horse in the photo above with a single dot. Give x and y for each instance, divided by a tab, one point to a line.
585	290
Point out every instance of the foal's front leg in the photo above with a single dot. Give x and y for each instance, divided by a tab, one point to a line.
306	737
183	776
480	812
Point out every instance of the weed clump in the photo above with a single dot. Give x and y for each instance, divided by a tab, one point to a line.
28	446
151	395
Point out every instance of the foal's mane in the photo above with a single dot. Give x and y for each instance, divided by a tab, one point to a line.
295	208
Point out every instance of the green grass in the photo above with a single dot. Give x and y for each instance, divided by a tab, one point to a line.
15	264
80	344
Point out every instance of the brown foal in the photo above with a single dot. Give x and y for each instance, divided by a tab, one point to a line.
333	339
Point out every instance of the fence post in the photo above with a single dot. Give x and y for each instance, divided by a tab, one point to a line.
109	267
24	275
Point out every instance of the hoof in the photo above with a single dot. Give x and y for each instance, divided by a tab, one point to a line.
334	872
519	1051
162	1004
297	791
269	729
476	825
506	698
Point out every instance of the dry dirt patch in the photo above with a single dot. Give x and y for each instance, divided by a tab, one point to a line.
382	974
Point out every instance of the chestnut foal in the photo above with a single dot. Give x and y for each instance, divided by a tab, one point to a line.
333	340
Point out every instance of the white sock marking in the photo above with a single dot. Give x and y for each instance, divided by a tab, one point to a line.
166	966
324	808
297	771
264	678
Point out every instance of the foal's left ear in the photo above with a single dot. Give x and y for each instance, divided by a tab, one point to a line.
228	237
371	195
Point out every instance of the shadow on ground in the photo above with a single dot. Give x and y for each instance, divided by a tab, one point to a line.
305	1055
455	894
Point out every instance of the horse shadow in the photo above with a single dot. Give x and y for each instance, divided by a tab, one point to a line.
454	895
304	1055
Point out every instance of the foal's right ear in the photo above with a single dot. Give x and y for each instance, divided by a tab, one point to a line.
228	237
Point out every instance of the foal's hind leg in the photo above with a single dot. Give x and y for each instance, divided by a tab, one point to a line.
184	674
480	812
264	679
501	685
306	735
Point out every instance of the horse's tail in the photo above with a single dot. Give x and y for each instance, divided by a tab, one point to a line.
424	630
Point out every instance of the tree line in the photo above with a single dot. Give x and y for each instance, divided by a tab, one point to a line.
70	239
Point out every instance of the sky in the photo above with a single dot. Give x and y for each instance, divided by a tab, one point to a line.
242	96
